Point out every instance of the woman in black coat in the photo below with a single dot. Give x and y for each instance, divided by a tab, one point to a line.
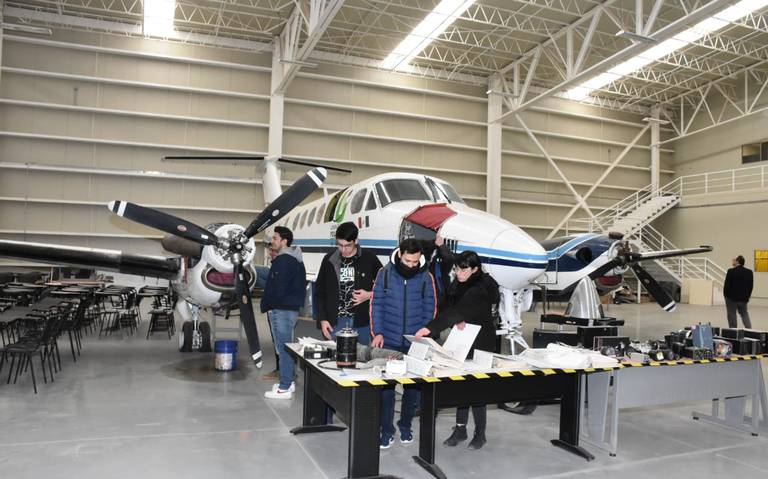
471	298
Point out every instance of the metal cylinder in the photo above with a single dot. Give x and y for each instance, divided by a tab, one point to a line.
346	348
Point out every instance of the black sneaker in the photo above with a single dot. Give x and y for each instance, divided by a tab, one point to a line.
478	440
459	434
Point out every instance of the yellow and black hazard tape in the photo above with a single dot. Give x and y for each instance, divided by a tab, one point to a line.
678	362
463	377
534	372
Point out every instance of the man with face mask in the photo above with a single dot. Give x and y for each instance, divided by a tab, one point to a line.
403	302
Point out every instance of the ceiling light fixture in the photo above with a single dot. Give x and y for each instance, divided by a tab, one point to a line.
158	18
682	39
441	17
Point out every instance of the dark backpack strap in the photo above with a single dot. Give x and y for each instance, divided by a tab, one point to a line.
386	279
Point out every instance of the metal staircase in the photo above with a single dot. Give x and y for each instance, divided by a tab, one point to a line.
633	215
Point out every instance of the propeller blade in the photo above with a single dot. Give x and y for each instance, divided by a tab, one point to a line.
314	165
295	194
247	317
605	268
669	253
654	288
162	221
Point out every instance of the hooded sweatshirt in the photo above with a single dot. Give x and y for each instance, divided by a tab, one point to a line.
287	281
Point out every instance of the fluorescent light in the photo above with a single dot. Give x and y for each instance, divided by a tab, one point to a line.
435	23
686	37
158	17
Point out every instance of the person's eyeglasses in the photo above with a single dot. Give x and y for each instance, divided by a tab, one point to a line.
346	245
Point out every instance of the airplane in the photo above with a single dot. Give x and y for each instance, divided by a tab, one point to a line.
214	269
387	208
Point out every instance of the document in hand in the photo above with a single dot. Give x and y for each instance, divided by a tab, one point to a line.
456	347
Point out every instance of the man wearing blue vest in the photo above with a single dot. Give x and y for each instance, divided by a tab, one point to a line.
403	302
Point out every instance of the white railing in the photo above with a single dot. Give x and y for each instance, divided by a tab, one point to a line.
725	181
650	239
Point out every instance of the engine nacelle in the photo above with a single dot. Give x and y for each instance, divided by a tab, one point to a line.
219	258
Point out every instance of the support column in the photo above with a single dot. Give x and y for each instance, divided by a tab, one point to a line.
271	178
493	161
655	147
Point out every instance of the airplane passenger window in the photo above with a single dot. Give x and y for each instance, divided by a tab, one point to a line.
329	212
357	201
303	219
371	205
311	216
295	222
319	218
400	190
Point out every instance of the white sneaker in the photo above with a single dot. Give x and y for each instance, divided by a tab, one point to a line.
276	386
279	394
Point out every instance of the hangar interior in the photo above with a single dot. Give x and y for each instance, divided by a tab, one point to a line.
646	117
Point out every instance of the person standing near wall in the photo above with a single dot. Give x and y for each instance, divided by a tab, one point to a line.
403	302
737	291
283	298
344	286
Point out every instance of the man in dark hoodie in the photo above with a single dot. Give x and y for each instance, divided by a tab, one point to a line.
403	302
283	298
344	284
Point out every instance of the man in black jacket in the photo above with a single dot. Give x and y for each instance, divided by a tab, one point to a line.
737	290
344	285
283	297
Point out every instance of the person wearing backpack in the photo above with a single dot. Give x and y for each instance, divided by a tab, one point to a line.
472	297
403	302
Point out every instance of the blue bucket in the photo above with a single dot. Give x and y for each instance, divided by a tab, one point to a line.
225	355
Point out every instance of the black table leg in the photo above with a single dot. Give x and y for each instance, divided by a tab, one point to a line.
569	419
427	436
364	427
314	418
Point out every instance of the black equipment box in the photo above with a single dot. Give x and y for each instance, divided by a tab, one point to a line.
744	345
698	353
542	337
618	344
732	333
761	336
319	352
678	348
587	334
569	320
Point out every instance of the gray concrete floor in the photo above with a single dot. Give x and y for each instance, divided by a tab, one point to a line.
137	408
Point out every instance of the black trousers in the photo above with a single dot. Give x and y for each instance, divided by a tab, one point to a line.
732	307
478	414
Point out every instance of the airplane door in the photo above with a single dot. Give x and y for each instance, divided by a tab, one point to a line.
423	222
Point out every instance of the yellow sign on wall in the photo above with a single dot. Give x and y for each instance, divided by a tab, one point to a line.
761	260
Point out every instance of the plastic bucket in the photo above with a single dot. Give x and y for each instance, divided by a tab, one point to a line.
225	355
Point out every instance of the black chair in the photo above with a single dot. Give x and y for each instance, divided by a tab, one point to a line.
29	346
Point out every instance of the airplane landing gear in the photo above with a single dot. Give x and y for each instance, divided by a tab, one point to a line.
195	335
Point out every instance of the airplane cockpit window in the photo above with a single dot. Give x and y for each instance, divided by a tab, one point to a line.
371	205
400	190
450	192
357	201
311	216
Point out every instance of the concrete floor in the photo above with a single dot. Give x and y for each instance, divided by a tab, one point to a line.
138	408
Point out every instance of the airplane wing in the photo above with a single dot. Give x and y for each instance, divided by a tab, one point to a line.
106	259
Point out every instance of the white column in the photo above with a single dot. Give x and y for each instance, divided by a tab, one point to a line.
271	178
493	163
655	158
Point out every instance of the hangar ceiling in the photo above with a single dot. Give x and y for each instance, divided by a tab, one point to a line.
539	47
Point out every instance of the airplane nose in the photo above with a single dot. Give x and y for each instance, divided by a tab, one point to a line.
522	252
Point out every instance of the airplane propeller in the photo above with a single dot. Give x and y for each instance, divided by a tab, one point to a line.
626	257
232	247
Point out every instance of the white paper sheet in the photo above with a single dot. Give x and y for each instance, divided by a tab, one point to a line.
460	341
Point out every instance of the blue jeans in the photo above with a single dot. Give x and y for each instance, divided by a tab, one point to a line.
363	332
411	398
283	323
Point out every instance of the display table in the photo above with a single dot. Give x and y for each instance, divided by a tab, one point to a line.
726	382
356	398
